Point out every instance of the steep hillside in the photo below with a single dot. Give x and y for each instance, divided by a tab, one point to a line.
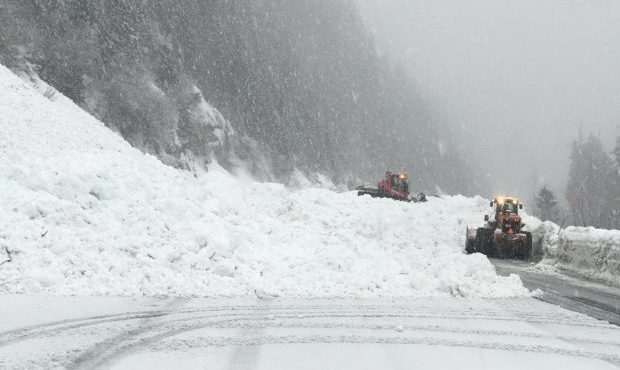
299	85
82	212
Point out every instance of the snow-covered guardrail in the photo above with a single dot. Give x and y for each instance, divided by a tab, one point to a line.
591	251
586	251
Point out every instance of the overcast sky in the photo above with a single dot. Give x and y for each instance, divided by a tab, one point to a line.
517	78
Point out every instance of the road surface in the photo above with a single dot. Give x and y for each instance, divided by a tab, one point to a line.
174	333
588	297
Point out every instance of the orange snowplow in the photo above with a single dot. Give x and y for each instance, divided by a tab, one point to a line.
503	236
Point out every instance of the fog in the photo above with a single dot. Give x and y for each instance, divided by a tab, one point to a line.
517	79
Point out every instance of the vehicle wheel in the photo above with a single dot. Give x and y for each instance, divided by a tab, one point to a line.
484	241
469	246
526	252
493	250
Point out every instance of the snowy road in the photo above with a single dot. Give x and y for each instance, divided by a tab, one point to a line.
593	299
455	333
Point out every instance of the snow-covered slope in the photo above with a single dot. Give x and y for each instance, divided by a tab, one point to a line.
82	212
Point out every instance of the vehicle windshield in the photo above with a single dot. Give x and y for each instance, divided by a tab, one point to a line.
401	184
395	181
510	208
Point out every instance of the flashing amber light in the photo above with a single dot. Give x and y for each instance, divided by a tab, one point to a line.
502	200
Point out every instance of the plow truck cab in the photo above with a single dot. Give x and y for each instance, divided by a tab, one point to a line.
395	186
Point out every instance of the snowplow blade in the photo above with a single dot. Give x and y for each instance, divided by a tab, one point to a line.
517	246
418	198
498	245
373	192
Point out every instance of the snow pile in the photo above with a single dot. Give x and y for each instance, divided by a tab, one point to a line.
545	237
82	212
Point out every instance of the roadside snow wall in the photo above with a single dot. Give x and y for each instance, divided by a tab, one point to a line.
586	251
591	252
544	237
82	212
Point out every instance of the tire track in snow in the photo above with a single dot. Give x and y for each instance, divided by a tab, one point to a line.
164	323
246	358
54	327
354	339
49	328
424	328
58	327
139	340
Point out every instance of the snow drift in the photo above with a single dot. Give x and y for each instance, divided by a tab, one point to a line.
82	212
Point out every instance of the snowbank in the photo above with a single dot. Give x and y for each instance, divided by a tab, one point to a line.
82	212
585	251
591	252
545	237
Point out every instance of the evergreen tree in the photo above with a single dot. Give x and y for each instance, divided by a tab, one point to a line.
546	204
590	189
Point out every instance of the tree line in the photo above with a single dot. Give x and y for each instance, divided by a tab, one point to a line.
593	189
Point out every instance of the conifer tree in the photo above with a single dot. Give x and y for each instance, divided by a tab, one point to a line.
591	184
546	204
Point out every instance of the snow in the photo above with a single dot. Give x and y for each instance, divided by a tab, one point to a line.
591	252
239	333
84	213
545	236
584	251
